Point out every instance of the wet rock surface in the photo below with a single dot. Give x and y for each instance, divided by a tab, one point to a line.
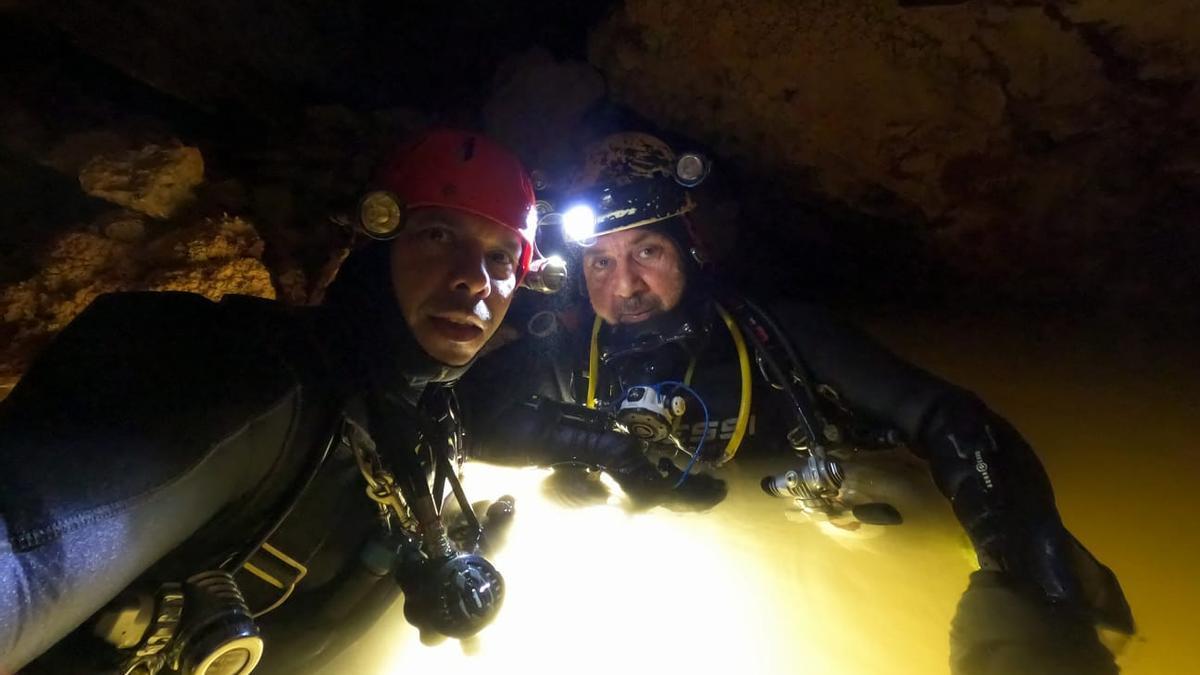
212	257
154	180
1033	146
978	152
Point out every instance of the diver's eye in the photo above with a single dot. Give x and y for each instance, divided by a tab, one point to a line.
600	263
433	232
437	234
501	264
501	258
649	252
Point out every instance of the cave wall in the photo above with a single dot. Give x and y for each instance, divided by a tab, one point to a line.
985	152
1042	148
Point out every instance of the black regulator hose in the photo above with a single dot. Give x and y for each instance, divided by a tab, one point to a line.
805	409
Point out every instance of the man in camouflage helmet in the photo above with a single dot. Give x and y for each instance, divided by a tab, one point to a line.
690	366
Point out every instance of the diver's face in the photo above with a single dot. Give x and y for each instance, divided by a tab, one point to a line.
453	274
633	275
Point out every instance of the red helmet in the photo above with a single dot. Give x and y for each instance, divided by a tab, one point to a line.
459	170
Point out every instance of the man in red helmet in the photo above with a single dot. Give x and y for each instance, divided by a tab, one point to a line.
188	485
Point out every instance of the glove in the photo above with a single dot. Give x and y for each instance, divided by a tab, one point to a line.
648	486
1002	496
550	433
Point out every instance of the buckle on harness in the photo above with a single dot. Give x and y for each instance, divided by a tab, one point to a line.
278	573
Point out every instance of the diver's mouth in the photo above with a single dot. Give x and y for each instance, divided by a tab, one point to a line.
456	329
636	317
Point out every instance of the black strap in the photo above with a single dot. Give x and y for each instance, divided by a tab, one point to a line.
789	373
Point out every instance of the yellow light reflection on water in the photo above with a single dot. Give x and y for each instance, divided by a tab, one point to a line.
743	588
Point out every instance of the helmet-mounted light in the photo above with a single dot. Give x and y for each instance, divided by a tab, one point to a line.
546	275
579	223
691	169
380	214
609	209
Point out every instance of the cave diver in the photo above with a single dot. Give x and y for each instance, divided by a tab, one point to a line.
665	361
191	486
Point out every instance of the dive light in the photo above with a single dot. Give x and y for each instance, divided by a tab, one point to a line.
218	635
546	275
455	596
200	627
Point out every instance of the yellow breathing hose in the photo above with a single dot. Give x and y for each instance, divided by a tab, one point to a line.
594	363
743	418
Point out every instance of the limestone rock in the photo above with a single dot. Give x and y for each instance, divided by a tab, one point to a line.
155	179
79	258
213	257
127	227
78	267
1033	143
210	240
242	276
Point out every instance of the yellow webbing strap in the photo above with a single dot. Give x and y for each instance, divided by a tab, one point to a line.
276	569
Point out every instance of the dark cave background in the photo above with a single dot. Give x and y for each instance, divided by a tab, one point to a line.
1026	157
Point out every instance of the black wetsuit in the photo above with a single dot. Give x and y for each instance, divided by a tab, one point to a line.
997	486
161	432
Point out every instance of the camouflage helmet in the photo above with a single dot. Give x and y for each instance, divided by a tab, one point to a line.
620	159
631	179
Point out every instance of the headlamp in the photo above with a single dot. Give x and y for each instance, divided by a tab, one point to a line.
579	223
380	214
614	208
546	275
691	169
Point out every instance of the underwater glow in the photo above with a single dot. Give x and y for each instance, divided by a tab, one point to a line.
750	587
743	588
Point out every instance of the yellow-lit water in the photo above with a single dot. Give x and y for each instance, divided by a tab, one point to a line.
746	589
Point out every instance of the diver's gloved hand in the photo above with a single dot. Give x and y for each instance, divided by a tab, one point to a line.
1002	496
1052	563
552	433
648	486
